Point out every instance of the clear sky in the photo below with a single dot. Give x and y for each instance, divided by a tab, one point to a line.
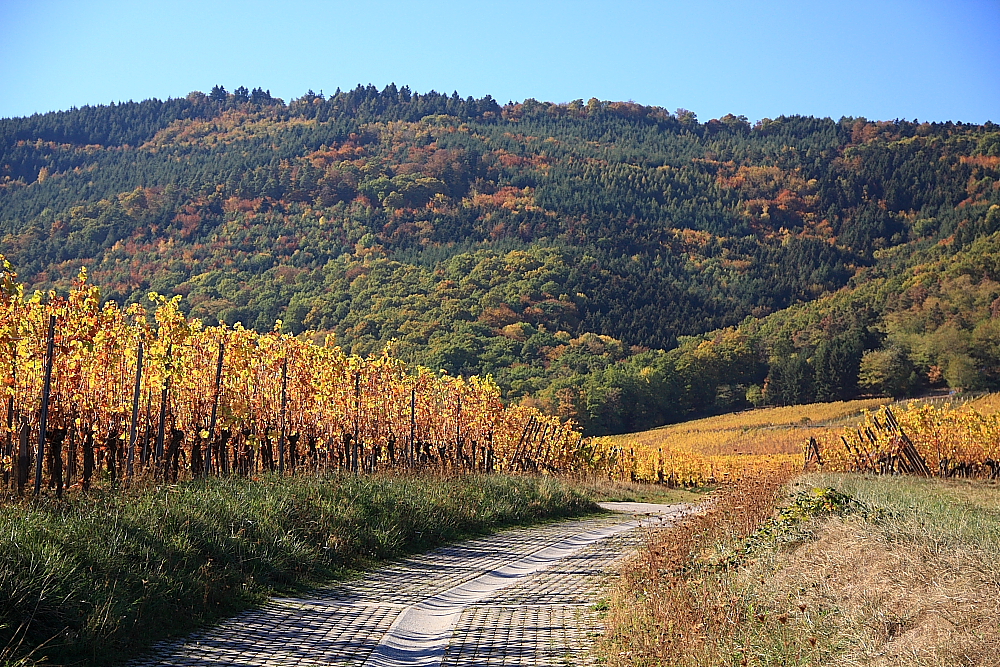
878	59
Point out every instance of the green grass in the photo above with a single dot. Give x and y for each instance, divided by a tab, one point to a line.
946	514
97	579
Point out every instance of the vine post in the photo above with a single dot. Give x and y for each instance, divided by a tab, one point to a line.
283	415
133	429
162	426
413	426
43	417
215	409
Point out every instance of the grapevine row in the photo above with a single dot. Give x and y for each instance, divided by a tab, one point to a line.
919	439
99	394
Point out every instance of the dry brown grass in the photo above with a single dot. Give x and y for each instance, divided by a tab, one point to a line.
911	576
664	610
895	604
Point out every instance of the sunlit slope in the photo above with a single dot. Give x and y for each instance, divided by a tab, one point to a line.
714	448
987	405
705	451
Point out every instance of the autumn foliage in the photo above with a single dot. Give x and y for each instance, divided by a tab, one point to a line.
951	440
135	394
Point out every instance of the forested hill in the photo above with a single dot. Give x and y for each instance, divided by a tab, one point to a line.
617	263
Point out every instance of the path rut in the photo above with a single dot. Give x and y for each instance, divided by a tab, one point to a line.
521	597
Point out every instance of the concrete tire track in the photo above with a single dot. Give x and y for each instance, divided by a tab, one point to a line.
521	597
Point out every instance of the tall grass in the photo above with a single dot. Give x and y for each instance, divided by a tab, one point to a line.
669	606
97	579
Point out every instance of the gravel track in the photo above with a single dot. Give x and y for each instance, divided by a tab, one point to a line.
521	597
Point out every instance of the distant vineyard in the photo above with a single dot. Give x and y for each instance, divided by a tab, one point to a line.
919	438
103	395
923	438
729	446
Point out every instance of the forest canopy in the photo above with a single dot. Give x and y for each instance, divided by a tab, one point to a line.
614	263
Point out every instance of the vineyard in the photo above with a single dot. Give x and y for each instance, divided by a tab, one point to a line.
104	395
729	446
918	438
867	436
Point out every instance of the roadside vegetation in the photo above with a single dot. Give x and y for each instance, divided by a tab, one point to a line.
781	568
852	570
825	568
98	578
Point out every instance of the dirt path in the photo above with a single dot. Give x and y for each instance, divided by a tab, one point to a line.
522	597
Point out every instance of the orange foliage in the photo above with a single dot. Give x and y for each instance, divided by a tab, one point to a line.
510	198
347	151
987	161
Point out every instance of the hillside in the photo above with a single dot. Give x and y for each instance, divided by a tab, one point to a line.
618	264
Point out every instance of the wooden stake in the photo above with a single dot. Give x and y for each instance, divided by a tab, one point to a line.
215	410
413	425
9	446
161	429
284	406
458	432
355	444
133	430
88	458
520	442
46	390
23	456
71	458
58	435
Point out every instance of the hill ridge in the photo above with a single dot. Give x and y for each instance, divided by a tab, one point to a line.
560	247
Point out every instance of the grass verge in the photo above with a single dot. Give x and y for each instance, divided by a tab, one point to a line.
97	579
604	490
851	571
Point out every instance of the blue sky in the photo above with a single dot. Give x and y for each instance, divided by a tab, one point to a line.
882	60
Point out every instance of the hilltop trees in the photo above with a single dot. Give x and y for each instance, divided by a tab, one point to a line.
483	238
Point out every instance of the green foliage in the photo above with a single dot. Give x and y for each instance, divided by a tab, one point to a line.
796	519
886	371
803	506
